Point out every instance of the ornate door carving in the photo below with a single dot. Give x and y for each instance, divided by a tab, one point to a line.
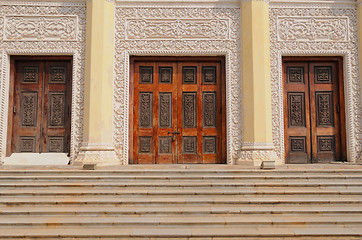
314	110
39	112
177	114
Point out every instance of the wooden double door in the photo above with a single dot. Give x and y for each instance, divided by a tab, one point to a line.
314	111
39	105
177	110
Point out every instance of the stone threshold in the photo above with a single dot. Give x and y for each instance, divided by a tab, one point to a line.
333	166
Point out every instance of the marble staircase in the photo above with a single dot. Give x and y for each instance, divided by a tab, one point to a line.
181	203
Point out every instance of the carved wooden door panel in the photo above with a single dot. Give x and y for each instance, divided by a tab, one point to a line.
296	114
327	106
177	114
40	106
155	112
27	106
314	110
56	107
201	112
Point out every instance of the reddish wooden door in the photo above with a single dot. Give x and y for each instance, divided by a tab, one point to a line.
40	105
177	111
314	110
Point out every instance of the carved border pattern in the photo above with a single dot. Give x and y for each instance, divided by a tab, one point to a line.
177	29
45	47
173	47
315	29
348	50
36	28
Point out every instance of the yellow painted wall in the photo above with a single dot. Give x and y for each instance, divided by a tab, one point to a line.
98	109
257	123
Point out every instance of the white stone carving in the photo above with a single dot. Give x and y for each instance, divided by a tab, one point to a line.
33	28
97	153
348	50
258	152
312	29
177	29
230	48
45	47
258	156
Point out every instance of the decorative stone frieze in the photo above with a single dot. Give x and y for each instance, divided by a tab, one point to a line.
177	29
61	39
191	26
319	40
312	29
35	28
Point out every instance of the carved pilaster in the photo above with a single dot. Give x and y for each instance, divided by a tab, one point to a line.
256	153
97	147
359	19
257	122
101	155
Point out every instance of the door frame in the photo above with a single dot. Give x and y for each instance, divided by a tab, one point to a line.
341	93
224	146
11	89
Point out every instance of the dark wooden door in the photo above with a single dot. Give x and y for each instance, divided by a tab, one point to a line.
178	112
40	105
314	110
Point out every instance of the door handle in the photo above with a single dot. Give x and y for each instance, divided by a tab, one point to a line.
173	134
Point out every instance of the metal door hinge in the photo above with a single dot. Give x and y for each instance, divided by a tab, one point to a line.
14	109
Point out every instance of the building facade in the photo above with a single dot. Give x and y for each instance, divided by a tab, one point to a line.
208	81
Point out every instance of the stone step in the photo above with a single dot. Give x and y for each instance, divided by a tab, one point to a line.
19	211
76	191
179	183
178	220
182	202
171	170
198	200
218	233
248	178
197	175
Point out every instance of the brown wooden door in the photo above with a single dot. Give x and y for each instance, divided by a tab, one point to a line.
40	105
177	111
314	110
